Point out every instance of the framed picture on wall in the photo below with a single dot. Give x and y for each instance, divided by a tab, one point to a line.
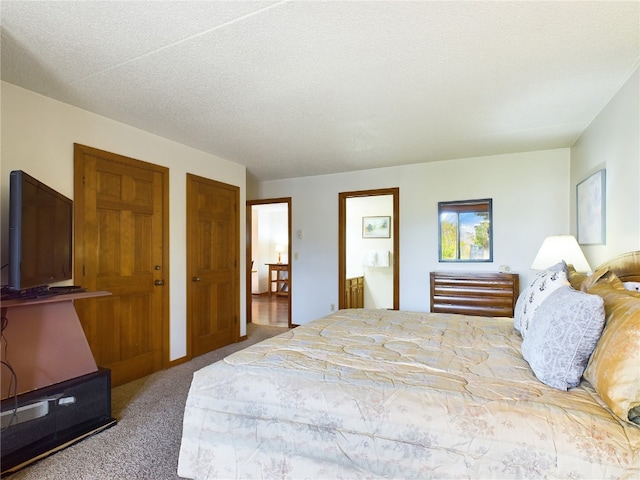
591	209
376	227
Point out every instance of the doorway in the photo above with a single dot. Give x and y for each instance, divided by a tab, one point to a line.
269	270
377	257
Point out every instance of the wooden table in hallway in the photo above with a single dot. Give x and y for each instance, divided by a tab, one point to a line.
280	280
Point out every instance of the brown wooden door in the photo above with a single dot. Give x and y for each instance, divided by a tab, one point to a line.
213	253
121	246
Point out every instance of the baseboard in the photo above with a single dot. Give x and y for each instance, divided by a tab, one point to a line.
179	361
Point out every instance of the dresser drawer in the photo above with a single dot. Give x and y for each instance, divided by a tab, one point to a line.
486	294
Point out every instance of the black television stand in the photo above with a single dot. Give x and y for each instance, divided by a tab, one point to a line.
62	395
39	423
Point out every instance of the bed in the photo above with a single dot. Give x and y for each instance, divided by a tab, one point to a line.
396	394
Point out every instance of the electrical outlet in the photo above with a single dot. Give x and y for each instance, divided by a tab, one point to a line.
333	307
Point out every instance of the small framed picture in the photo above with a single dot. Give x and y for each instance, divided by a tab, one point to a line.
376	227
591	208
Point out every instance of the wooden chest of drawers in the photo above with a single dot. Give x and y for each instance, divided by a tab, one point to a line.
486	294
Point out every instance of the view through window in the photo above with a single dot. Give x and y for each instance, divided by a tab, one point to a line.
465	231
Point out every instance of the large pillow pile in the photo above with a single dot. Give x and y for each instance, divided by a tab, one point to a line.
614	367
590	328
535	293
560	327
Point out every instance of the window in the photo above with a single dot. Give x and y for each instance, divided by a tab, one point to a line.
465	231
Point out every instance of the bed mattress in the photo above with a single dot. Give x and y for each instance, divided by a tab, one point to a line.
388	394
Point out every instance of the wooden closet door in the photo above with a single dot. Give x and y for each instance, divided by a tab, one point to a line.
121	246
213	253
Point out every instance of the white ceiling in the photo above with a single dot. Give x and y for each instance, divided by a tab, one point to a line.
297	88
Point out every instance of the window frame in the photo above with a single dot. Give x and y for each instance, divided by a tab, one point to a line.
483	205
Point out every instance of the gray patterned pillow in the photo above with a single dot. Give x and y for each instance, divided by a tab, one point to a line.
535	293
563	335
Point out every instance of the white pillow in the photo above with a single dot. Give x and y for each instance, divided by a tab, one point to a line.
562	337
633	286
535	293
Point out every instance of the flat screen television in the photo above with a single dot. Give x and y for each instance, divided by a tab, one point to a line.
40	234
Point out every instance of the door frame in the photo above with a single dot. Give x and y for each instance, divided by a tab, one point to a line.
342	240
268	201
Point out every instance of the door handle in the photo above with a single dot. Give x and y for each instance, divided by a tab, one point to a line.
196	279
158	283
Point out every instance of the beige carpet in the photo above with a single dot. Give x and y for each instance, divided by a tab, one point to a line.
146	441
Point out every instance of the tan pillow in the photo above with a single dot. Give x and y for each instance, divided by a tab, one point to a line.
602	275
614	366
575	278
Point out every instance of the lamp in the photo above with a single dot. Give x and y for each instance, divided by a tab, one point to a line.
279	250
557	248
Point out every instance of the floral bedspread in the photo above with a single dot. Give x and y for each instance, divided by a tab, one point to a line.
384	394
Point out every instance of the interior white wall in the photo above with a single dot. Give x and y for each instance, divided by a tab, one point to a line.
280	235
37	136
530	201
256	287
533	195
265	255
612	141
378	281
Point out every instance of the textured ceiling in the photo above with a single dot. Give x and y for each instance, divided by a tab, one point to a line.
303	88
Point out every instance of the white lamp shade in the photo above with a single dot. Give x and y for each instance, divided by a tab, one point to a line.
557	248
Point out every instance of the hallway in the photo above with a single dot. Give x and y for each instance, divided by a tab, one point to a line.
272	311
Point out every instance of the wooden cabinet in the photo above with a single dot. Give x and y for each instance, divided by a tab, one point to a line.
278	279
354	292
488	294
